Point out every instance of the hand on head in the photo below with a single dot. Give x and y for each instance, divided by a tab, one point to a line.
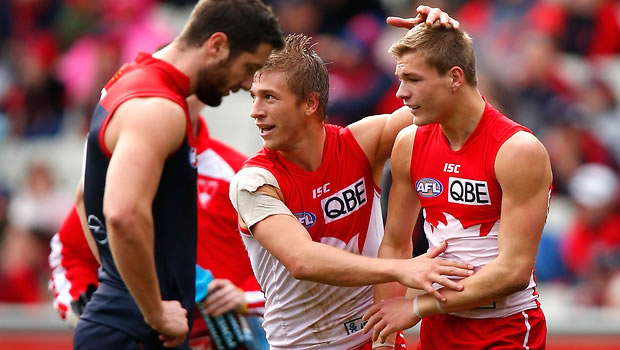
427	14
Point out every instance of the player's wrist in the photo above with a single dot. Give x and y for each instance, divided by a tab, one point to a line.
244	307
155	318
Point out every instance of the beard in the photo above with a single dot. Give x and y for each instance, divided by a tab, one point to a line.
212	80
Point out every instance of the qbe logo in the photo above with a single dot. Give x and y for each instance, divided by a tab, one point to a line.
428	188
471	192
345	201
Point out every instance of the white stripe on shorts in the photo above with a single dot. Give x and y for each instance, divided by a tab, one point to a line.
527	331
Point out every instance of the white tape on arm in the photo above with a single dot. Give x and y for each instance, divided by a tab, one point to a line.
251	205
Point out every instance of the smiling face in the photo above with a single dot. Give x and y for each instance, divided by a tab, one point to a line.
218	79
277	111
422	89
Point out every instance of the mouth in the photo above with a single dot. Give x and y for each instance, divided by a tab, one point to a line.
413	108
264	129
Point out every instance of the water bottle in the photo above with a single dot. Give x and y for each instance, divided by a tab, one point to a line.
224	329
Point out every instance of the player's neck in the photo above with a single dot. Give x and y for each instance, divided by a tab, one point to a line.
308	151
464	118
183	60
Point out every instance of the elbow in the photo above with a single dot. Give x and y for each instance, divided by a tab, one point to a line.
299	269
119	220
519	281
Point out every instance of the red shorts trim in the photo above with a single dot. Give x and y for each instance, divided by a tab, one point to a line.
523	330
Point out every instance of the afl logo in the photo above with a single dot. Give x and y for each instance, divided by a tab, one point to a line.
306	218
428	187
193	157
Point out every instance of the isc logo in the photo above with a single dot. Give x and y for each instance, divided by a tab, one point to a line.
345	201
428	187
306	218
465	191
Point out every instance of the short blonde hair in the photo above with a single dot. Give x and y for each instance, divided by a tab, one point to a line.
305	70
443	48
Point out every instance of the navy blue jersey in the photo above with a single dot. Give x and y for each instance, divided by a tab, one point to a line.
174	205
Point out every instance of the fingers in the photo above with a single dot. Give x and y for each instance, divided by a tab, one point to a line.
456	271
436	14
448	283
403	22
435	293
171	342
437	250
368	316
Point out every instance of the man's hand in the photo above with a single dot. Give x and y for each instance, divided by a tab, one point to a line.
389	316
172	325
421	272
426	14
224	296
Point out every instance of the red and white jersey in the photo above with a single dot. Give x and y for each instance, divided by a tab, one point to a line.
339	206
220	249
73	266
461	200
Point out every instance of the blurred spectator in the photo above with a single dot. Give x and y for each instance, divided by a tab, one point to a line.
35	102
584	27
356	82
600	108
591	249
19	18
34	214
124	28
571	143
39	206
22	267
538	82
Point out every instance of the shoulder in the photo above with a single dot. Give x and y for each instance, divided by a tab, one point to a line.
522	159
152	112
405	138
154	121
520	147
403	151
251	178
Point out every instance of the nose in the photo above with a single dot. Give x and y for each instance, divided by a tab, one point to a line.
257	111
402	92
247	83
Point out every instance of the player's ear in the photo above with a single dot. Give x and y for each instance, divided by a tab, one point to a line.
217	46
457	77
311	103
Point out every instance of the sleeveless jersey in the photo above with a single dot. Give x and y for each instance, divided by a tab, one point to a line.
461	200
339	206
174	205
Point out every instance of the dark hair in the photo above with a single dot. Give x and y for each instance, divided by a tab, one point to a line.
247	23
443	48
305	70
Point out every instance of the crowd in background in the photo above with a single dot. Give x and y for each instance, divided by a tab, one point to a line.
552	65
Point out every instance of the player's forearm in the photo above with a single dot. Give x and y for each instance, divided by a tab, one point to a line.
329	265
392	251
494	281
131	243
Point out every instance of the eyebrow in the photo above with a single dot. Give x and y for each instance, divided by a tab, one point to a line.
408	75
263	91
